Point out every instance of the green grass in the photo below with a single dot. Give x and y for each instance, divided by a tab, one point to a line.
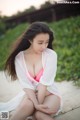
7	40
66	44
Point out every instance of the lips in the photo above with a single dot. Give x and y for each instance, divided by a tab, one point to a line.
41	50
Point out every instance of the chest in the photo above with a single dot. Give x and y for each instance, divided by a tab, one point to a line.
33	64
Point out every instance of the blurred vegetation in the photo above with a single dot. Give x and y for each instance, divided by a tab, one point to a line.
2	27
7	41
66	44
46	4
29	10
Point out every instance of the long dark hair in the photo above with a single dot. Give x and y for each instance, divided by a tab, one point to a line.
23	44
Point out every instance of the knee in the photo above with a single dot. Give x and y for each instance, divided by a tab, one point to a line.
38	115
26	105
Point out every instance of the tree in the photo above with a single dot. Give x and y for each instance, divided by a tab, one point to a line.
46	4
2	27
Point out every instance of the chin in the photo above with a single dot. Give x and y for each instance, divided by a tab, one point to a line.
38	52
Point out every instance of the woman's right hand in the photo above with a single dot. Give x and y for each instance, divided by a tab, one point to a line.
41	107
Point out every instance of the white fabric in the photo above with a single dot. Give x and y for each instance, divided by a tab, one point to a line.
49	62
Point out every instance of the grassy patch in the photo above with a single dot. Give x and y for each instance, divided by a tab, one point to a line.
67	44
7	40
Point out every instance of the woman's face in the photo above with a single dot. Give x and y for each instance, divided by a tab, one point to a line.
40	42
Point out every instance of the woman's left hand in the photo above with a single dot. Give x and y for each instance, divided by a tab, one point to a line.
44	108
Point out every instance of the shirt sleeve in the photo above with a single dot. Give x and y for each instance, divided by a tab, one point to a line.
22	75
49	70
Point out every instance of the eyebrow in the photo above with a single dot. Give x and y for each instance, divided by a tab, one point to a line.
43	41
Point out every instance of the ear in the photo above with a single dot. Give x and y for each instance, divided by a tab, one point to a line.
30	41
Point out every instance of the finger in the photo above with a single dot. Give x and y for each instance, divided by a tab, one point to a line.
49	111
44	106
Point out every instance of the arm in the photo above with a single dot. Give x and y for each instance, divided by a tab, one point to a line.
47	79
21	73
41	93
25	82
50	69
31	94
32	97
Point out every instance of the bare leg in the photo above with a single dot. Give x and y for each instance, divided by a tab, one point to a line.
42	116
53	102
25	109
34	118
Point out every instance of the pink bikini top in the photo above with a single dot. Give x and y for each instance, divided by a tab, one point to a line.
38	76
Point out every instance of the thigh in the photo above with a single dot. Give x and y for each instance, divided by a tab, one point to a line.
26	103
24	109
53	102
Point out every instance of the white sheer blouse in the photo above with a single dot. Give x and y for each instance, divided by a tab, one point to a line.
49	62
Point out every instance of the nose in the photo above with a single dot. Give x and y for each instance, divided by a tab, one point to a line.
44	46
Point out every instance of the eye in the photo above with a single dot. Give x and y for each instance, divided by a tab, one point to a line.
47	42
40	43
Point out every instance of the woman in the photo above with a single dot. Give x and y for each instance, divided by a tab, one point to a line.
34	63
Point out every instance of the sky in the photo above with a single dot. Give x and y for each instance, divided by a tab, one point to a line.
10	7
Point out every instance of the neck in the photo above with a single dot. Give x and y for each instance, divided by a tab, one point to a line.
30	50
